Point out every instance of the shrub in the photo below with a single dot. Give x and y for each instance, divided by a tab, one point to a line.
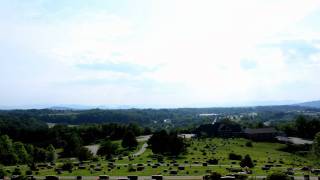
28	172
2	172
247	162
95	159
67	166
159	157
16	171
84	154
213	161
249	144
233	156
131	168
236	170
241	177
278	176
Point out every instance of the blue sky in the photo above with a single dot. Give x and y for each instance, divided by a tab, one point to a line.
158	53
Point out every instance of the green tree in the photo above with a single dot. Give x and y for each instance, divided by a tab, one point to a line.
7	153
137	130
84	154
302	126
73	145
163	143
316	145
147	131
2	172
107	148
67	166
249	144
176	145
129	140
246	162
52	155
40	155
30	149
23	156
16	171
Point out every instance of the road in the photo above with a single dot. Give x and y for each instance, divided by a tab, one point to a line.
141	150
143	138
93	148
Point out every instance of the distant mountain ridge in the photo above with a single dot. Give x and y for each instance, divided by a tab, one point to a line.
313	104
88	107
308	104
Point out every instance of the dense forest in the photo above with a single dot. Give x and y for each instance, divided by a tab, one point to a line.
181	117
35	142
25	136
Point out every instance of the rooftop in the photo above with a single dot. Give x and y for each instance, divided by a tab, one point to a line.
260	130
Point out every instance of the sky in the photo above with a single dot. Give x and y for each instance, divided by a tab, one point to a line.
159	53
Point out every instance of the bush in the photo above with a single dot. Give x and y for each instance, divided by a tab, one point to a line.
131	168
84	154
159	157
67	166
213	161
233	156
247	162
249	144
278	176
95	159
28	172
236	170
16	171
2	172
241	177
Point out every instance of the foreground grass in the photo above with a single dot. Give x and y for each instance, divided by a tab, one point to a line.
200	151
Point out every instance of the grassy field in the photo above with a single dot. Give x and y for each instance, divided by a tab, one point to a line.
200	151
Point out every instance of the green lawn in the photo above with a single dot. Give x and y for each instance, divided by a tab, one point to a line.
199	151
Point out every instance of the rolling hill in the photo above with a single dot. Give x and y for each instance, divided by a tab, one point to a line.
313	104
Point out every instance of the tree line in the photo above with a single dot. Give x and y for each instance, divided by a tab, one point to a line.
23	139
12	153
302	126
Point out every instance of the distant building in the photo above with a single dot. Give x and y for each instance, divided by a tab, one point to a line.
261	134
220	129
229	130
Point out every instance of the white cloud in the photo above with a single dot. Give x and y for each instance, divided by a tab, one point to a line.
198	46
